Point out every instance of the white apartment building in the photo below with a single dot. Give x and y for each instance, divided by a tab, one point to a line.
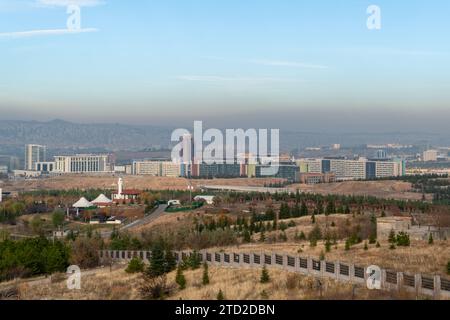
352	169
430	155
34	153
348	169
385	169
156	168
82	163
309	165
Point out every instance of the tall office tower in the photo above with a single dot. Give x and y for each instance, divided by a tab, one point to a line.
34	153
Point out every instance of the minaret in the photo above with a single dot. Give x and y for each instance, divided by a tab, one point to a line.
119	187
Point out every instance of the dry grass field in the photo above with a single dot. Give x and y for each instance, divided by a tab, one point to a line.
80	181
419	258
382	189
242	284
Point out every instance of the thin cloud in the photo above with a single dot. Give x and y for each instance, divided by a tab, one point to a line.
292	64
65	3
210	78
272	63
47	32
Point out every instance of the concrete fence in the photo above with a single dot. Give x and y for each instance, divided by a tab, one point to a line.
421	284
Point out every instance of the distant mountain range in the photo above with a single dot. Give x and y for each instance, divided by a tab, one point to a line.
60	135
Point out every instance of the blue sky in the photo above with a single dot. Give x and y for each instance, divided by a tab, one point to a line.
150	61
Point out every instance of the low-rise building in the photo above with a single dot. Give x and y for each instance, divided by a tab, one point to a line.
82	163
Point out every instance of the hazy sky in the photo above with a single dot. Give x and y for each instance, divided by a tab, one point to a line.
288	63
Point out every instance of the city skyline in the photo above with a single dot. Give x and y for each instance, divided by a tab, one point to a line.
258	63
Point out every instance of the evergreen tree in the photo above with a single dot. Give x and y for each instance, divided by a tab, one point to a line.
392	236
264	275
135	265
430	239
205	280
220	295
170	261
296	211
180	279
347	245
297	196
304	209
247	236
194	260
327	245
313	219
157	261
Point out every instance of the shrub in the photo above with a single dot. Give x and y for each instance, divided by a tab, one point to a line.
265	278
365	246
155	288
84	252
322	256
220	295
135	265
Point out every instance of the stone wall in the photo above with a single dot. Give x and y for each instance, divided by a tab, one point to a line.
431	285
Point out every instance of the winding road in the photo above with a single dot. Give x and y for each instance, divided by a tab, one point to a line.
140	222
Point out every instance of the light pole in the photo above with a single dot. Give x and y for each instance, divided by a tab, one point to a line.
190	187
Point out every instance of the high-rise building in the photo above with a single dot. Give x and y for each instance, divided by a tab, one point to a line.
34	153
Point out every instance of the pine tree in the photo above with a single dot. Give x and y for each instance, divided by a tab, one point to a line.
430	239
247	236
304	209
135	265
392	236
157	261
194	260
265	278
205	279
347	245
220	295
170	261
180	279
327	246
